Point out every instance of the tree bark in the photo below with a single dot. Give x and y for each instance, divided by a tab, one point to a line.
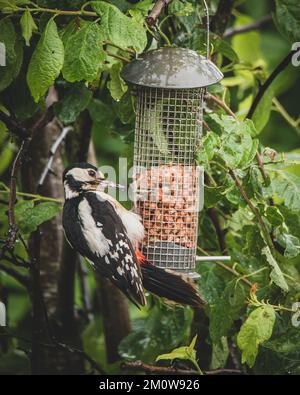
46	253
116	321
114	306
222	16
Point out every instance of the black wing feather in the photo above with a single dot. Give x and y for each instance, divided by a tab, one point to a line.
120	264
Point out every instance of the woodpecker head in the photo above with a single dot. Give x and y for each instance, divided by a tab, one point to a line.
81	177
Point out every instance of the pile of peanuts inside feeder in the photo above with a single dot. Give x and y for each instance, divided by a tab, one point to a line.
167	202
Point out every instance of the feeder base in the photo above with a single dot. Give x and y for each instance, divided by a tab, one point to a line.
172	256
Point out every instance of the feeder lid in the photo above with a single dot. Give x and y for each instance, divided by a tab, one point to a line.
172	68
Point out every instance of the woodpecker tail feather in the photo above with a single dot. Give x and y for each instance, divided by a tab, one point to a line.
168	284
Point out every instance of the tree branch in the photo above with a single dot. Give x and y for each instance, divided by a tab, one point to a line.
282	65
212	213
260	162
222	16
13	229
247	28
28	134
221	104
254	210
53	149
13	126
64	346
143	367
156	11
23	280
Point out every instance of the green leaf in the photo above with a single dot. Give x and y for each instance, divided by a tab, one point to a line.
46	62
185	352
13	53
162	330
28	26
179	353
8	4
287	17
255	331
71	28
6	156
290	243
211	285
156	130
223	47
29	217
276	274
84	54
247	45
102	114
235	150
286	343
116	84
287	186
226	310
181	8
73	103
228	124
210	142
220	353
262	112
274	216
140	10
121	30
22	105
124	108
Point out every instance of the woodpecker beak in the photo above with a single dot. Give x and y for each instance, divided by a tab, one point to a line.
109	184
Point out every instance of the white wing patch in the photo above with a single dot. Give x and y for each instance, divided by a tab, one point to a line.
93	234
134	227
131	221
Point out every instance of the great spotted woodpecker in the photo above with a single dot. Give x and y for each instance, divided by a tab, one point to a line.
102	230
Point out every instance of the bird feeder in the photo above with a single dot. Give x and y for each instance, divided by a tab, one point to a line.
169	84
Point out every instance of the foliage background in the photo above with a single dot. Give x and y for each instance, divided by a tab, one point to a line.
251	215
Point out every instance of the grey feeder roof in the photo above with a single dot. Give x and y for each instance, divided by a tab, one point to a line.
172	68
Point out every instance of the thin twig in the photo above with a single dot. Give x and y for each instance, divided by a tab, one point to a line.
53	149
111	44
56	11
14	126
221	104
228	268
259	157
294	123
16	260
113	55
13	229
156	11
23	280
144	367
64	346
247	28
282	65
254	210
34	196
30	132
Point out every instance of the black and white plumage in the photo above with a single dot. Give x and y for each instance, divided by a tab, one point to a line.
97	233
108	235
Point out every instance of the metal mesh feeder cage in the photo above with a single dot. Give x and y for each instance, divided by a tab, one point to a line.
169	84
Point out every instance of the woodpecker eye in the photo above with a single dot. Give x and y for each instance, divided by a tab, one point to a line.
92	173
